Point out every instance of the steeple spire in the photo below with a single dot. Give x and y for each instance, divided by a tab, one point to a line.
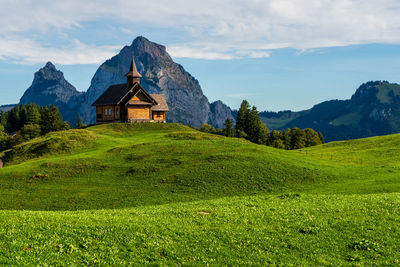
133	75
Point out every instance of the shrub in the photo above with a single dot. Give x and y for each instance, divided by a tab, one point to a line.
207	128
30	131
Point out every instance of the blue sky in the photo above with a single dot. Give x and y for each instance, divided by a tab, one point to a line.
278	54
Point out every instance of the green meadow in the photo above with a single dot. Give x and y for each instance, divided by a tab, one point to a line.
165	194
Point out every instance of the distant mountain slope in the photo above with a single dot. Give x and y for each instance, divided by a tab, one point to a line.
6	107
49	87
161	74
374	109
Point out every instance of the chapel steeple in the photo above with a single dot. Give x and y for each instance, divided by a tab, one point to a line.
133	76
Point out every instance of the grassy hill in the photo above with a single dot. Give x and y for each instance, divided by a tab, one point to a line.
167	194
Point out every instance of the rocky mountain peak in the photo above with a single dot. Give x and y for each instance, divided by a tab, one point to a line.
49	87
160	74
50	65
48	72
142	45
366	92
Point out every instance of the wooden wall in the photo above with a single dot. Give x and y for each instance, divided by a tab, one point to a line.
101	110
139	112
138	97
159	115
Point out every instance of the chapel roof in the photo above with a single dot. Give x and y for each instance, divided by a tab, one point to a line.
122	93
161	103
133	71
113	95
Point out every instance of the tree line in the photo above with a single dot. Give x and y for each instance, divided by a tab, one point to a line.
24	122
249	126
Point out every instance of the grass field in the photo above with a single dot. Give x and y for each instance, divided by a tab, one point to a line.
167	194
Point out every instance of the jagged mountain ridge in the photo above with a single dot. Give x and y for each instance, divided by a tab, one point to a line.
160	74
374	109
49	87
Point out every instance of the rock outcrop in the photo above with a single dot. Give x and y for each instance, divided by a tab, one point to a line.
49	87
160	75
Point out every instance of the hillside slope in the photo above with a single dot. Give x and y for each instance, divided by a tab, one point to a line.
122	165
372	110
165	194
141	164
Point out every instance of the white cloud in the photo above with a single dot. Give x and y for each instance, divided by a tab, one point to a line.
26	51
213	52
196	52
258	54
211	29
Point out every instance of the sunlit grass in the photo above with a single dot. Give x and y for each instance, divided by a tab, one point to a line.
167	194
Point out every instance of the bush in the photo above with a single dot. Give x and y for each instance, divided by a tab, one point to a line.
229	131
2	131
79	123
30	131
5	143
66	126
16	140
207	128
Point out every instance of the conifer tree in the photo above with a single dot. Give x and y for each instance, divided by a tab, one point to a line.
30	131
257	132
229	131
4	139
13	122
23	112
32	114
79	123
66	126
3	118
51	119
2	131
242	119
